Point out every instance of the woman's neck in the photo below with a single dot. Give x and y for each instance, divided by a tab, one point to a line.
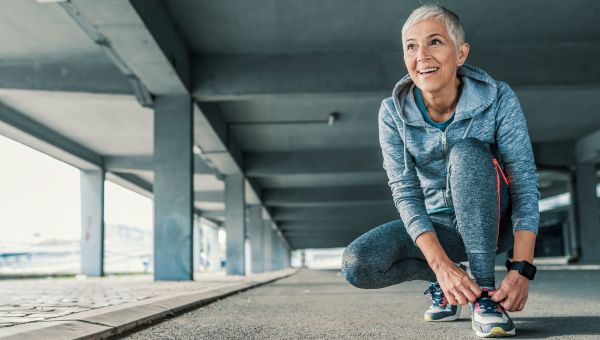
441	104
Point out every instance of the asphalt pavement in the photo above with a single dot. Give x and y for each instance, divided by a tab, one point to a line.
321	305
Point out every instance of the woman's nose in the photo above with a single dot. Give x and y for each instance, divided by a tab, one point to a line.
422	54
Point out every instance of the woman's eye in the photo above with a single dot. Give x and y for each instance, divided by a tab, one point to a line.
410	46
435	42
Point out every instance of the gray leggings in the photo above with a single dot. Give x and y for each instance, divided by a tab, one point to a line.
386	255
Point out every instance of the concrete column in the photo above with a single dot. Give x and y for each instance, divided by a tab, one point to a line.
586	207
212	249
197	245
267	246
255	227
235	223
92	222
275	250
173	188
287	255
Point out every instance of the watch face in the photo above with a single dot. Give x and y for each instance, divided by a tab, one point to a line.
529	271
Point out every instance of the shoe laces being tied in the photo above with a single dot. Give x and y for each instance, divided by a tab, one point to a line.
437	295
487	305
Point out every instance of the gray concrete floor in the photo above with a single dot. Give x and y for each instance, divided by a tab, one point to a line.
320	304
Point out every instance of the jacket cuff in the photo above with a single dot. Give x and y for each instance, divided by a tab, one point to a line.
419	225
525	227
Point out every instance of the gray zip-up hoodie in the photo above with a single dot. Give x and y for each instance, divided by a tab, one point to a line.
415	154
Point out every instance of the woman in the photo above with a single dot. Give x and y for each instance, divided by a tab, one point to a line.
447	134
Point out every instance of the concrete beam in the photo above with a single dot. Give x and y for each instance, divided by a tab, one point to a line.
131	182
209	196
128	27
145	164
25	130
124	28
326	196
229	77
213	214
384	210
364	223
71	75
313	162
303	242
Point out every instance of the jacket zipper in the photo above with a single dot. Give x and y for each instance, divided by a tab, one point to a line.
444	144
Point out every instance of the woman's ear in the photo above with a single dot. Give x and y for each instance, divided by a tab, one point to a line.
463	52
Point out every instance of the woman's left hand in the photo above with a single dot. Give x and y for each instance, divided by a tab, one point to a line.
513	291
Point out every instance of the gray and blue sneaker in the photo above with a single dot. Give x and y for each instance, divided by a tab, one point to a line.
440	309
489	319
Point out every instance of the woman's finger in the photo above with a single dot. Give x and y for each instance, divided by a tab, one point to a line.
469	295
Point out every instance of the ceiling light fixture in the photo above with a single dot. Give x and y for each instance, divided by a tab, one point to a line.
332	118
196	149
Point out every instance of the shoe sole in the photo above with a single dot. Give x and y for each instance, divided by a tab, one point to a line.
446	319
496	332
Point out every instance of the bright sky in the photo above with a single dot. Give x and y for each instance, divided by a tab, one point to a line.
39	198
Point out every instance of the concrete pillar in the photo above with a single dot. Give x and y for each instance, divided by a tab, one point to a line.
173	188
235	223
255	227
197	245
287	256
586	208
92	222
267	246
275	250
212	249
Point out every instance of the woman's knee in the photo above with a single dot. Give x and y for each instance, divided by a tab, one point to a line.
469	150
356	266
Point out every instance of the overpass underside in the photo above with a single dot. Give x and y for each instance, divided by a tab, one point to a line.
262	117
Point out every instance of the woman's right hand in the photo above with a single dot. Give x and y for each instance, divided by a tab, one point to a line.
456	284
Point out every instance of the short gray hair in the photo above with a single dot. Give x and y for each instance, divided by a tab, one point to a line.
449	18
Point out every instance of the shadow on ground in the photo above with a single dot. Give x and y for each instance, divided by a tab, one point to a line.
553	326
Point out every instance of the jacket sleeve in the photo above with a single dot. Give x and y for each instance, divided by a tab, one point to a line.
406	187
515	149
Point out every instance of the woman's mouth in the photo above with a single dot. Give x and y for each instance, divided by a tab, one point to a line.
427	72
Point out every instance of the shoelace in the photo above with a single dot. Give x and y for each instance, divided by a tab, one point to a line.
487	304
437	295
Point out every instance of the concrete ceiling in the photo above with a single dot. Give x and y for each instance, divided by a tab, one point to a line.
267	75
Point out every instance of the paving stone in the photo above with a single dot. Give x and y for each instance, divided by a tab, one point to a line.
41	299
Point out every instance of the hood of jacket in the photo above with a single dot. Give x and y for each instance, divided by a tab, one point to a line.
478	93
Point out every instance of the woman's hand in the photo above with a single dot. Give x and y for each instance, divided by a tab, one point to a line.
456	284
513	292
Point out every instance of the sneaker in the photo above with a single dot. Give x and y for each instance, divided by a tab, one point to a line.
440	309
489	319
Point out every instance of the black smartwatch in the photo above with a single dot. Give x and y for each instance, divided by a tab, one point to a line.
523	267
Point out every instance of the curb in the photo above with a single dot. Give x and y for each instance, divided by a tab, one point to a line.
115	320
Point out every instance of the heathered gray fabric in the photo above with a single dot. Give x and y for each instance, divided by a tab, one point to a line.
386	255
415	154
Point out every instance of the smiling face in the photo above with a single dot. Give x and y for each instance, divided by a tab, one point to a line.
431	56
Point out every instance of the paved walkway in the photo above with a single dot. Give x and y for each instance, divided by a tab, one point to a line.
320	305
24	301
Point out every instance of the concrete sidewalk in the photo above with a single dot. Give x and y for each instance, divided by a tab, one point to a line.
321	305
102	307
